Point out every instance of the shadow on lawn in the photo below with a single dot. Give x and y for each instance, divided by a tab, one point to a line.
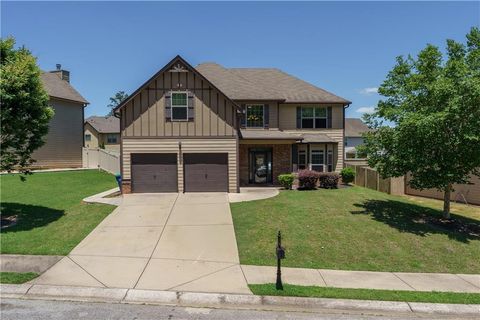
412	218
27	217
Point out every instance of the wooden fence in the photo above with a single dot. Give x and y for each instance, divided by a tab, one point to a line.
103	159
369	178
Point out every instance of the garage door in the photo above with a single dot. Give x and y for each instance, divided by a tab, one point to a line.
154	172
206	172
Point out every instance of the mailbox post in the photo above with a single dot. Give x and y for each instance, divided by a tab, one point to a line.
280	256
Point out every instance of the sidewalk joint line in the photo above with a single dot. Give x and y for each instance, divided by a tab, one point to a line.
396	275
158	240
206	275
321	276
467	281
103	284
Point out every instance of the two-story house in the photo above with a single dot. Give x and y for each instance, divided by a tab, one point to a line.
211	128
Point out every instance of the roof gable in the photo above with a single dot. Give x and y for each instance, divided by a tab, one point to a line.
355	127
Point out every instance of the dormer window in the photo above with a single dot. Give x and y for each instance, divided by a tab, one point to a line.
255	115
314	117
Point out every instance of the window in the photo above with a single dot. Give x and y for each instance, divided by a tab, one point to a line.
330	160
111	138
179	106
254	115
314	117
302	160
317	160
88	137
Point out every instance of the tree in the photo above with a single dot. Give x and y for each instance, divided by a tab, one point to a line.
433	105
25	111
116	100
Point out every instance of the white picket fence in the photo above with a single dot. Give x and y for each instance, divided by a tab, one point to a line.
102	159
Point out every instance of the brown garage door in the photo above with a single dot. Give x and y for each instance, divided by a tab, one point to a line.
154	172
206	172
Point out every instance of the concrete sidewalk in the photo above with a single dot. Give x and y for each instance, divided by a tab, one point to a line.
366	279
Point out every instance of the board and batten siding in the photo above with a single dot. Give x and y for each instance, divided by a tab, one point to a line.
219	145
64	140
144	115
288	115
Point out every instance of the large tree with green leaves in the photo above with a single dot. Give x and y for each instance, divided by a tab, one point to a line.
428	123
25	111
116	100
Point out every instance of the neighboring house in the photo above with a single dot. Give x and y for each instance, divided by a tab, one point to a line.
64	141
210	128
354	128
102	132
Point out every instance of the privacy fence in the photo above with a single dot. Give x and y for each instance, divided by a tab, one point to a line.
102	159
369	178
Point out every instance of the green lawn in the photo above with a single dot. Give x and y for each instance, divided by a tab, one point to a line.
16	277
51	218
357	229
366	294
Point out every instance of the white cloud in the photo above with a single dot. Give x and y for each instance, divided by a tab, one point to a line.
368	91
366	110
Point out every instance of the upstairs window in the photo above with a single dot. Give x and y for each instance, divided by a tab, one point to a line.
314	117
255	116
88	137
111	138
179	106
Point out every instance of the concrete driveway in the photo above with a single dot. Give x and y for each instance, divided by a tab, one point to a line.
181	242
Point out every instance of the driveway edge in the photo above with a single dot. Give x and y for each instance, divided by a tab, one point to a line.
217	300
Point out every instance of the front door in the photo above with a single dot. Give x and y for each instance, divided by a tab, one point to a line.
260	171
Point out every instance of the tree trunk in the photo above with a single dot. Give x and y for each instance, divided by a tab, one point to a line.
446	202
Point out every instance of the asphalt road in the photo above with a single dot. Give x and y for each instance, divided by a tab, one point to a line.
53	310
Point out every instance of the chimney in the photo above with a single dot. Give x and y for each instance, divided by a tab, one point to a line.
63	74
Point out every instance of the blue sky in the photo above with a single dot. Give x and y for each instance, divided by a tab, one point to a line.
344	47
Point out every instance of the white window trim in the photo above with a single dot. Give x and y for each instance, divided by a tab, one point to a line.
312	151
314	117
172	106
246	115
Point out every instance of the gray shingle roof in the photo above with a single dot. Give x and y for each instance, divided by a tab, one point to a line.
104	124
355	127
59	88
264	84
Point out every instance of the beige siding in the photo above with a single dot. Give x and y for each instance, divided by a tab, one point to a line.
288	115
64	141
471	192
144	116
218	145
93	143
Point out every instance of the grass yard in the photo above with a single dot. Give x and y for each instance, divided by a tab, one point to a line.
51	218
16	277
366	294
357	229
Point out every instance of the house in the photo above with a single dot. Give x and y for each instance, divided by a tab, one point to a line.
212	128
354	129
64	141
102	132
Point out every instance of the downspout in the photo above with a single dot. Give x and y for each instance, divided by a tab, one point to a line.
343	140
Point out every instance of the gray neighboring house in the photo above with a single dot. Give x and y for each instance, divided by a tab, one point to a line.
64	141
102	132
354	128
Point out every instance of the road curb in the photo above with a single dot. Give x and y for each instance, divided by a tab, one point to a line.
219	300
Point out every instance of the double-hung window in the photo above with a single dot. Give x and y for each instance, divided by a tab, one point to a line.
179	106
314	117
317	159
111	138
255	116
88	137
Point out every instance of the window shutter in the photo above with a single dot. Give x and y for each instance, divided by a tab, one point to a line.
329	117
168	106
299	117
294	154
191	106
266	116
243	120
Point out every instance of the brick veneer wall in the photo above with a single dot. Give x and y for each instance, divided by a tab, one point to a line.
281	160
126	187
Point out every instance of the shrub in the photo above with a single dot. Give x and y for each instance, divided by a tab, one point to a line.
348	175
307	179
329	180
286	180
